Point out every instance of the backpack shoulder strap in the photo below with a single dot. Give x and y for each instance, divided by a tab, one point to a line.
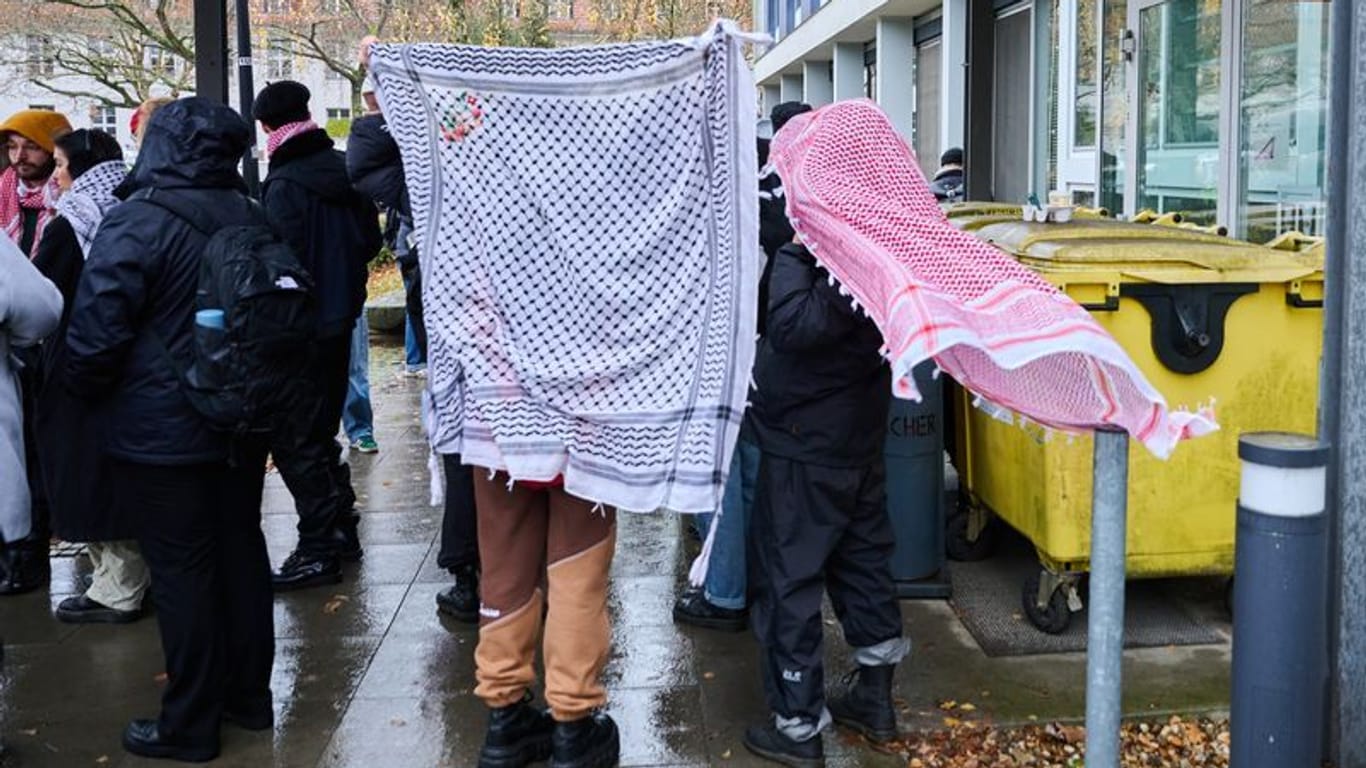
180	208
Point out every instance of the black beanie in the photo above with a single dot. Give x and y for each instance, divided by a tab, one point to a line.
786	111
951	157
282	103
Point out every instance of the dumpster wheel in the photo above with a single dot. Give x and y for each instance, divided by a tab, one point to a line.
970	533
1046	596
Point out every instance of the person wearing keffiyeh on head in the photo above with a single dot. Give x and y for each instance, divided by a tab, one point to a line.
27	190
335	232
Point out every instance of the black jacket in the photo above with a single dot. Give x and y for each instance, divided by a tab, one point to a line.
375	166
822	388
333	229
67	431
132	325
775	231
948	185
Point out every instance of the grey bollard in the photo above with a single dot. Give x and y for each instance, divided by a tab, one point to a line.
1279	603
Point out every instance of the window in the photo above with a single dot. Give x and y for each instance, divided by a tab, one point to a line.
510	8
1088	76
870	71
158	60
561	10
279	60
42	60
43	107
104	118
334	7
339	113
275	7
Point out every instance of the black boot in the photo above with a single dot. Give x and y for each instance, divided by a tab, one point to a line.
143	738
768	742
461	601
518	734
589	742
24	566
348	536
866	706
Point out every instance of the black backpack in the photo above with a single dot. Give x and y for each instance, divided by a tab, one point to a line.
248	373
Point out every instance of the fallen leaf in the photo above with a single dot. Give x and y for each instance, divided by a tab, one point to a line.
725	755
335	604
398	722
952	722
948	705
102	759
967	706
708	675
29	731
161	678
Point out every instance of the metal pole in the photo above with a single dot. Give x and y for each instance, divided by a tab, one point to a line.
1342	403
211	49
1105	620
1279	606
246	92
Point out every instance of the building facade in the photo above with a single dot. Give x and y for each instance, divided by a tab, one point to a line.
1215	109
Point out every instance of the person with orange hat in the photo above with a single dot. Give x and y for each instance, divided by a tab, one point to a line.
27	190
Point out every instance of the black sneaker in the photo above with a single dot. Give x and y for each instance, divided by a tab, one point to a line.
768	742
518	734
143	738
24	566
589	742
694	608
302	570
461	601
82	610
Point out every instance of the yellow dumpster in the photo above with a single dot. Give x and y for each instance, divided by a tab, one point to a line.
1206	319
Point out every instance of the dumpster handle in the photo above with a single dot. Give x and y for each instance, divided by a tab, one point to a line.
1111	304
1295	298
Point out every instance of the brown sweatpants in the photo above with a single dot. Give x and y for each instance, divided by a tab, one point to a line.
531	540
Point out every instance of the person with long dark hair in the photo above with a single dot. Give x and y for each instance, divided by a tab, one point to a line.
89	167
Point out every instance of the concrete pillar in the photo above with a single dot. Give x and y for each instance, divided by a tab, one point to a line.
818	89
792	87
848	71
953	86
773	96
895	63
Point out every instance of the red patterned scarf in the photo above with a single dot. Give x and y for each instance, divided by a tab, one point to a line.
14	201
284	133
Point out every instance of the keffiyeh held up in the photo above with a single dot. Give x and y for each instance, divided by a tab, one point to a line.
859	202
588	233
15	199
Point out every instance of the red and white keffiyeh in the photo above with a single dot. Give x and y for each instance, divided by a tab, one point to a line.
14	201
858	200
284	133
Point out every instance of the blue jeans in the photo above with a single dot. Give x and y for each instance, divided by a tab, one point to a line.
726	575
357	418
412	353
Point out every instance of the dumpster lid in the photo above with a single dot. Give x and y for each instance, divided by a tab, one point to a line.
1146	251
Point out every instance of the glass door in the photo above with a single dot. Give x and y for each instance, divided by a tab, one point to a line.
1176	99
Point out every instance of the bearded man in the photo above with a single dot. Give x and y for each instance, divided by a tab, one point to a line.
27	190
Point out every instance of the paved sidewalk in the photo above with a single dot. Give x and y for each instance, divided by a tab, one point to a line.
368	676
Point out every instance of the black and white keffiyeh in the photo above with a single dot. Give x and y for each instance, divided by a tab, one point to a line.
588	234
89	199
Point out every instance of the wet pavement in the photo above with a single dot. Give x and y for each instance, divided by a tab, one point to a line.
367	674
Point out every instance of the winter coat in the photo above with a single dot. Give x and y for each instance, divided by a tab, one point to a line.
30	308
775	231
375	166
69	433
822	388
132	327
332	228
948	185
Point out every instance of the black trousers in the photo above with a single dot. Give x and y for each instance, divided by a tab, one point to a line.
412	282
459	523
41	515
200	531
308	456
817	529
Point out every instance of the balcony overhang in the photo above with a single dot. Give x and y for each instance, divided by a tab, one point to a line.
838	21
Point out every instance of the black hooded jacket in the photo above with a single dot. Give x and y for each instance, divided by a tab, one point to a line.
132	325
822	388
332	228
